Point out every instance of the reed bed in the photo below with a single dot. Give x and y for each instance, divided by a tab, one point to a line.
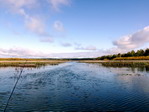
20	59
120	63
133	58
28	63
126	64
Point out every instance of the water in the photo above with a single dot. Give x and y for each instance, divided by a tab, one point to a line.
75	87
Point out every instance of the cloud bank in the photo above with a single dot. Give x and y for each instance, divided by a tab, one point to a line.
133	41
20	52
28	53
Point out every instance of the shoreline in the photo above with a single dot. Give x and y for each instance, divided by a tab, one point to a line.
120	63
39	63
23	63
102	61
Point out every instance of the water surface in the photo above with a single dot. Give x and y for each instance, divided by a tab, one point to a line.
75	87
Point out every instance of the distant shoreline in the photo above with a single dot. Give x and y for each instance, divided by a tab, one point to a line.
120	63
29	63
39	63
100	61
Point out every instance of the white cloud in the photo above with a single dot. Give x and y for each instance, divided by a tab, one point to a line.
21	52
66	44
35	25
133	41
80	47
56	4
28	53
32	23
48	40
18	4
58	26
77	55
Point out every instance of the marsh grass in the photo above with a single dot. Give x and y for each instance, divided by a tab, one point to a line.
133	58
20	59
126	64
120	63
28	63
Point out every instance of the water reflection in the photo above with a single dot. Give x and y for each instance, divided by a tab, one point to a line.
76	87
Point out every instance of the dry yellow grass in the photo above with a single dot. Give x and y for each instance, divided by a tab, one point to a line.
28	63
133	58
19	59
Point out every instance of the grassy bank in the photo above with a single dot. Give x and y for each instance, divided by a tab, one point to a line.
126	64
120	63
19	62
20	59
29	63
133	58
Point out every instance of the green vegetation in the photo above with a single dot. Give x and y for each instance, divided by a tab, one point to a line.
132	55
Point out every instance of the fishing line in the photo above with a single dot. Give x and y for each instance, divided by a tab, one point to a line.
14	87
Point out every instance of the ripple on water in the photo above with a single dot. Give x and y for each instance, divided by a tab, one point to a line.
78	87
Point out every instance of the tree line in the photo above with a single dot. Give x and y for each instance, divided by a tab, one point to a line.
132	53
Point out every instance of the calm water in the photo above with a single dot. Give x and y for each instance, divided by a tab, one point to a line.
75	87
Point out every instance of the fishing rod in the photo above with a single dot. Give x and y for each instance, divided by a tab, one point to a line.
14	87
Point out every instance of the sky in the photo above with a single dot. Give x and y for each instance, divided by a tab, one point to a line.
72	28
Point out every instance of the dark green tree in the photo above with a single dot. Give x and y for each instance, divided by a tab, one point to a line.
132	53
139	52
146	53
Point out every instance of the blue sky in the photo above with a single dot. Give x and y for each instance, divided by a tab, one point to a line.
72	28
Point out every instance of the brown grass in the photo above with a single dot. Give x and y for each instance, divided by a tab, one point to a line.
35	63
133	58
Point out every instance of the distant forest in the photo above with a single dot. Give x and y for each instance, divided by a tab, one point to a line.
138	55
